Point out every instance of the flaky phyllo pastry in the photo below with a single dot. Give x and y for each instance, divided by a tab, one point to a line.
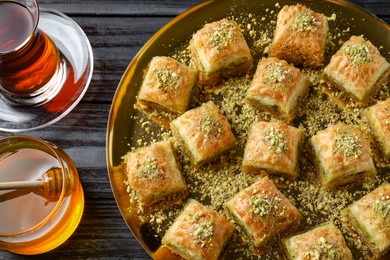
300	36
378	117
166	90
277	87
219	50
342	155
198	233
369	217
323	242
273	147
153	173
263	212
204	132
357	69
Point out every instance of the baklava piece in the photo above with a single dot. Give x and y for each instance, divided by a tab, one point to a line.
322	242
166	89
204	132
219	50
369	217
342	155
263	212
273	147
198	233
154	174
300	36
357	69
277	87
379	119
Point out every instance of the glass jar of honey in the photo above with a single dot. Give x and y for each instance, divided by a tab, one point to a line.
37	219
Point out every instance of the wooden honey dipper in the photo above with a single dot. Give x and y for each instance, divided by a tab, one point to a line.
49	186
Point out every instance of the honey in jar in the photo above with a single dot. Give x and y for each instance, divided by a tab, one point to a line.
32	221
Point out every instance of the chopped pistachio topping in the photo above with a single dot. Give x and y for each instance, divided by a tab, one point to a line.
324	250
217	184
221	36
275	140
166	79
359	53
347	144
275	74
202	232
197	215
305	21
382	206
149	169
210	127
263	205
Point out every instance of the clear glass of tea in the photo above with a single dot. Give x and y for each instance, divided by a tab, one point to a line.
37	220
31	70
46	65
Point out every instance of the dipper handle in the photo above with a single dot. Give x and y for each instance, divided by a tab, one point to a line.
16	185
49	186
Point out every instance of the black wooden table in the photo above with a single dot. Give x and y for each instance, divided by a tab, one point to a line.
117	30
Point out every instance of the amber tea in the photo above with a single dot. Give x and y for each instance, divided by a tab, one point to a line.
30	221
29	60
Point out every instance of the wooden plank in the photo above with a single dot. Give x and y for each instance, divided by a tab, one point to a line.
161	8
115	41
379	7
121	8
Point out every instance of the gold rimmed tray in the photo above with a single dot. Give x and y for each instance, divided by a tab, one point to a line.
126	126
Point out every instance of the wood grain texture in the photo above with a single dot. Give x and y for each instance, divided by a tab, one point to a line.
160	8
117	29
138	8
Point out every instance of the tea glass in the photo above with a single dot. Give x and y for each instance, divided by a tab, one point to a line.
46	65
31	223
